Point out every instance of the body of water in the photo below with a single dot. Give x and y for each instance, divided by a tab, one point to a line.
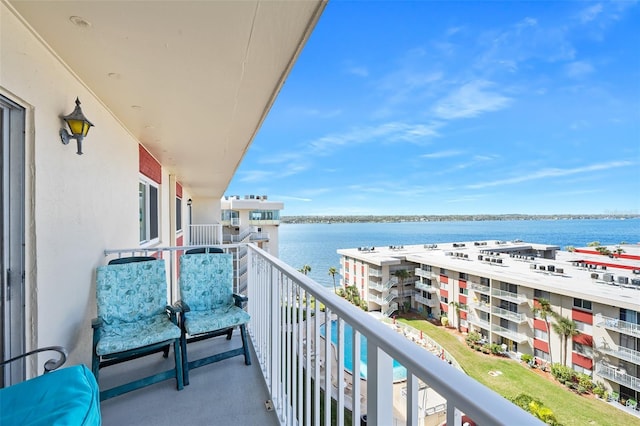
316	244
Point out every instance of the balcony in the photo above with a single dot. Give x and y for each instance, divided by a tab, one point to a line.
427	302
483	306
511	316
618	325
381	286
419	272
204	234
375	272
621	353
617	375
277	374
474	319
481	288
509	296
509	334
425	287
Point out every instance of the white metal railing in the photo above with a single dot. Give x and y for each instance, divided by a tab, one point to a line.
204	234
428	302
621	352
392	295
510	315
618	375
474	319
275	287
509	334
373	272
421	286
391	309
507	295
287	311
480	288
483	306
259	236
618	325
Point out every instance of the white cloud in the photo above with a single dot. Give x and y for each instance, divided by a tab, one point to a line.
358	71
590	13
549	173
470	100
442	154
579	69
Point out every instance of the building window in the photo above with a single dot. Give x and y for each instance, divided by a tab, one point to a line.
444	286
541	294
443	271
463	291
484	281
464	276
583	370
178	214
540	334
583	350
426	268
538	353
582	304
149	211
444	300
584	328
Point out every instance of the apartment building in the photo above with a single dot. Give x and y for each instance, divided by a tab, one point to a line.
492	287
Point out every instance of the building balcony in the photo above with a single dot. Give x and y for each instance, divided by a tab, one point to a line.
474	319
509	334
618	325
481	288
419	272
483	306
290	352
509	296
621	353
427	302
617	375
425	287
381	287
511	316
373	272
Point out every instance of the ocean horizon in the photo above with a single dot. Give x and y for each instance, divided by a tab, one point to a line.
316	244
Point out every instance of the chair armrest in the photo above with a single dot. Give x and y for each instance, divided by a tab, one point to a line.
181	306
96	323
49	365
240	299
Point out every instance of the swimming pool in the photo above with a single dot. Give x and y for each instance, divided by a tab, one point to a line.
399	372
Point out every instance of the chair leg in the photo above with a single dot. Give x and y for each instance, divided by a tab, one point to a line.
177	351
245	344
165	351
95	364
229	333
185	360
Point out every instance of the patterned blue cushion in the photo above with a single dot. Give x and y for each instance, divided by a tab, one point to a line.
206	280
131	291
122	336
197	322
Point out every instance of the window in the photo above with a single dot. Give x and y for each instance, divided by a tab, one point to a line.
582	304
583	350
541	354
178	214
464	276
444	286
540	334
464	291
426	268
580	369
149	211
484	281
541	294
443	271
584	327
444	300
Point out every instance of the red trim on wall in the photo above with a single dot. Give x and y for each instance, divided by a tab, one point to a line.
362	272
178	190
444	307
462	283
583	339
582	361
462	298
463	315
444	279
582	316
621	256
539	324
180	241
541	344
444	292
149	166
464	329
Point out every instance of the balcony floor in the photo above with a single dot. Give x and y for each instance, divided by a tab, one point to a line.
224	393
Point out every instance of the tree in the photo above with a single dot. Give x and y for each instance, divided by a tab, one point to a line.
333	272
305	269
542	308
566	328
593	244
457	306
401	275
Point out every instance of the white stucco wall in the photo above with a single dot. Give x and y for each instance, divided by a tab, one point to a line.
81	205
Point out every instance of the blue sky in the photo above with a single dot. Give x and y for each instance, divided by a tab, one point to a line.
434	107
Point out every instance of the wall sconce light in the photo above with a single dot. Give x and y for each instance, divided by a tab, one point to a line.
79	126
189	202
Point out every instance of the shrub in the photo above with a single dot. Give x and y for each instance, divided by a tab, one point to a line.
496	349
563	374
473	337
444	321
585	382
535	407
528	358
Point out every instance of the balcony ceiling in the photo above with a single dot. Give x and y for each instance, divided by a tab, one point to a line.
191	80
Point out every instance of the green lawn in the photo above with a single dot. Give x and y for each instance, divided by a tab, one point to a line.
568	407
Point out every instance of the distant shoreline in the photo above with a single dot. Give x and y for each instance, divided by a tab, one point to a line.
447	218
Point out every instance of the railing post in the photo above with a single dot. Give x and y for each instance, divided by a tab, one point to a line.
379	386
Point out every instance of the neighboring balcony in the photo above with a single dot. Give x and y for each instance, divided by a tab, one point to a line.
373	272
511	316
419	272
509	334
617	375
432	303
474	319
618	325
509	296
290	315
421	286
621	353
483	306
481	288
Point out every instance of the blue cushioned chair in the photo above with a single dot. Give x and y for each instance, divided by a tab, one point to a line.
68	396
208	306
134	320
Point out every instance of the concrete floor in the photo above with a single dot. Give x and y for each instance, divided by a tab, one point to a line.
224	393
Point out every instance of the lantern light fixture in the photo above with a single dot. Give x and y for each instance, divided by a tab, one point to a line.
79	126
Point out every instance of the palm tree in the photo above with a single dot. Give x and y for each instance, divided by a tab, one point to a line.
305	269
457	306
565	328
542	308
401	275
333	272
